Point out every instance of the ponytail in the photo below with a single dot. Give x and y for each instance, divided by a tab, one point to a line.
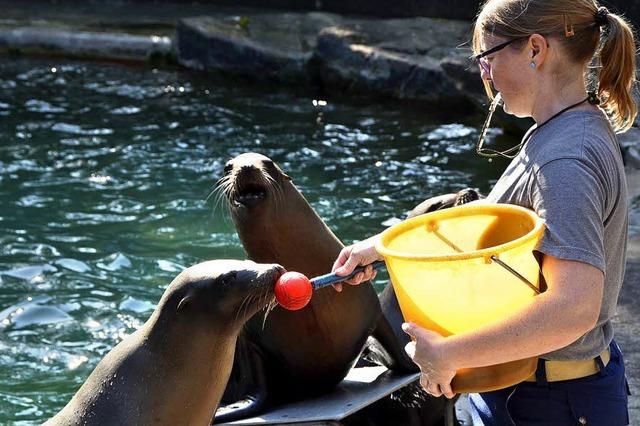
617	76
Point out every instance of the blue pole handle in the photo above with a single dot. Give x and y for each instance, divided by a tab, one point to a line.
328	279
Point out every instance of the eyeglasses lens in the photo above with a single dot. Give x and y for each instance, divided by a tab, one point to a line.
484	66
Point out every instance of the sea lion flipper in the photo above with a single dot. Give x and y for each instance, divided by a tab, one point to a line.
236	411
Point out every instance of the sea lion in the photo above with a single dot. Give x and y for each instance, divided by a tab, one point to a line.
293	354
304	352
444	201
174	369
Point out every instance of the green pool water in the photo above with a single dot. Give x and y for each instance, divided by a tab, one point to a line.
105	172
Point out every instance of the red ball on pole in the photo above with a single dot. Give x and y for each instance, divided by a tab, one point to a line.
293	291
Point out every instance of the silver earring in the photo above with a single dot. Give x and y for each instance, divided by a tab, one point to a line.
532	65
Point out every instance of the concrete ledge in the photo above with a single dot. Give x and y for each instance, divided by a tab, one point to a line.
85	44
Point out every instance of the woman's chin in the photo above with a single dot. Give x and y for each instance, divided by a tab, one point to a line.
512	111
506	108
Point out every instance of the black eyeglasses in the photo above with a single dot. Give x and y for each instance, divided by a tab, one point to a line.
484	63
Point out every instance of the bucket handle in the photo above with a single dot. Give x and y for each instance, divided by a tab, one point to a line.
432	226
516	273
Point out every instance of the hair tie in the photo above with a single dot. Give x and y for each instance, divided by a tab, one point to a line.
602	16
593	98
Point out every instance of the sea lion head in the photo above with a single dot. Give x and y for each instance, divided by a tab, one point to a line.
231	290
251	182
274	221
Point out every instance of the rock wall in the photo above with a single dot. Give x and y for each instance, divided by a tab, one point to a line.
418	59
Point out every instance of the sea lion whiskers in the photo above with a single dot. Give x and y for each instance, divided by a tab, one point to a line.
274	190
215	187
269	306
220	184
220	189
244	306
281	203
267	310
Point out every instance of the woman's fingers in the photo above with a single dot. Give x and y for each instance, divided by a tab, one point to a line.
432	388
342	258
367	274
353	256
447	391
424	382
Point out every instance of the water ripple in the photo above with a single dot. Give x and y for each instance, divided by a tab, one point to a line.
35	105
78	130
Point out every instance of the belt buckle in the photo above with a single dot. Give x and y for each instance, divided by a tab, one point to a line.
555	371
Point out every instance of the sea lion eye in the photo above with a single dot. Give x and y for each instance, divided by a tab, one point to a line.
184	303
228	278
269	165
227	168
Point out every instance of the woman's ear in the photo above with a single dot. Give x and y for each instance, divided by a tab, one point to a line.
538	48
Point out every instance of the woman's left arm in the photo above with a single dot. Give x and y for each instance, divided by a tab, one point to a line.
568	309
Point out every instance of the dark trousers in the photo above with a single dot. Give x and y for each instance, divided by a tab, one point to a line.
599	399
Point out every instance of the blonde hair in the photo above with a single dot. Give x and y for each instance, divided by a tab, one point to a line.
585	31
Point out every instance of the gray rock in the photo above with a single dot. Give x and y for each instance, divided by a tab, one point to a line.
630	145
273	47
345	63
398	58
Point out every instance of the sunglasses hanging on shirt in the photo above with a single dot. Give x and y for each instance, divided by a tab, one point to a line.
511	153
489	153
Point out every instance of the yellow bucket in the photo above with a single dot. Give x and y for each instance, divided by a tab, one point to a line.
446	271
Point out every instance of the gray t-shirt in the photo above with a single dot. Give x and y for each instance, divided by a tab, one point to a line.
571	174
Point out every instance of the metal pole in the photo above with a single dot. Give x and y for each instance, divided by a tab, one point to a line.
450	412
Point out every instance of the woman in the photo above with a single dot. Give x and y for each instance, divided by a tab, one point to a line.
537	55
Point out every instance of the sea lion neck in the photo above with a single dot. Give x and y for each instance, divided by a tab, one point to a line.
291	234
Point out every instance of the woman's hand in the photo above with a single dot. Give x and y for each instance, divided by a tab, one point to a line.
426	350
358	254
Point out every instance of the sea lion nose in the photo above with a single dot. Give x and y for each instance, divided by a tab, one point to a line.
247	168
279	268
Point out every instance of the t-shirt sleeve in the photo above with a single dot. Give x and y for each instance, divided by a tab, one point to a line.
570	197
